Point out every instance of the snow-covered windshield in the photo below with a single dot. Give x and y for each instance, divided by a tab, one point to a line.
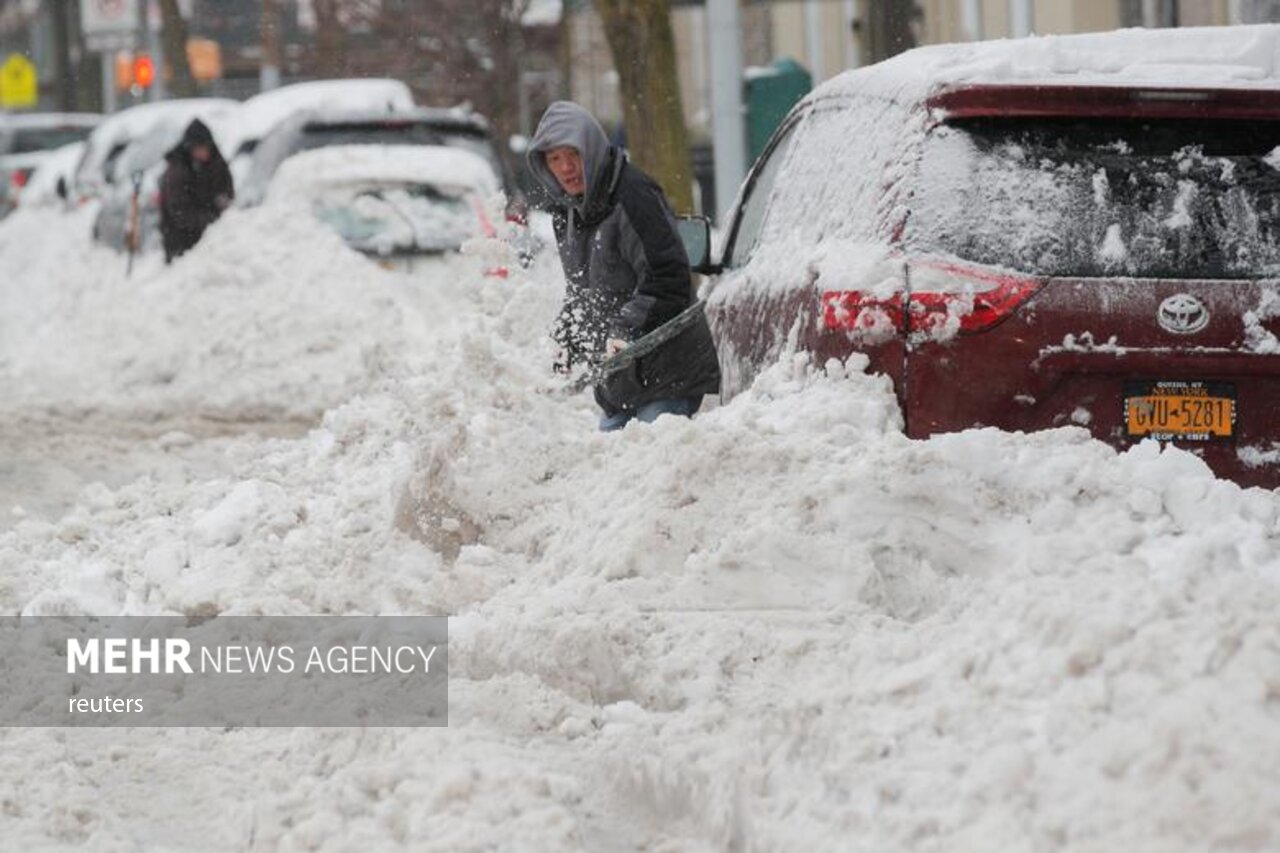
387	218
1177	199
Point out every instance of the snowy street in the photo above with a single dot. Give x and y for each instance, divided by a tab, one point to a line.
780	625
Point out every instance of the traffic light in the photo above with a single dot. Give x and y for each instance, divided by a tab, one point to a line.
144	71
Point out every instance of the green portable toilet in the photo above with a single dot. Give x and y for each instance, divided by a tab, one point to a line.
771	92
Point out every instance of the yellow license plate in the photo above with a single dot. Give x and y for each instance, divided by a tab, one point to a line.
1182	411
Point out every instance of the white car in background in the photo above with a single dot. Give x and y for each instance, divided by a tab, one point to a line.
398	204
49	184
26	139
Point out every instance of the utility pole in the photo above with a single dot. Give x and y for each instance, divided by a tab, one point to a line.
1021	18
62	56
174	30
886	28
728	121
156	49
269	76
972	16
108	81
813	39
852	43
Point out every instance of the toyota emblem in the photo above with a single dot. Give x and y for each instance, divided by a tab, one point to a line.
1182	314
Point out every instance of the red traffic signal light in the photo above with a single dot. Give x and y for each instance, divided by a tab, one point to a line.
144	71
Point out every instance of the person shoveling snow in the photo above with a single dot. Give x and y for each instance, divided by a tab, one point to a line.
626	269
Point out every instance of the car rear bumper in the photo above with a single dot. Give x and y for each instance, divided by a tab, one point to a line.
1087	389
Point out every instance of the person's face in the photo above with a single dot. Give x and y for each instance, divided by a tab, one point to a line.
201	153
566	164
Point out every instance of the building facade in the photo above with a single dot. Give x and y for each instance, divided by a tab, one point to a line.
826	36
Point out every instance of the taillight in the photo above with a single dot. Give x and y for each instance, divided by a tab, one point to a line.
18	178
862	311
949	297
945	299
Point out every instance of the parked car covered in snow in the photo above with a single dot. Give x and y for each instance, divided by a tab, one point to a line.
396	203
1030	234
50	183
261	114
98	169
320	128
26	139
141	158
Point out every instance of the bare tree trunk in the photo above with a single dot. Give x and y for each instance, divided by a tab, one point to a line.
62	56
644	53
174	31
269	30
331	44
886	28
504	86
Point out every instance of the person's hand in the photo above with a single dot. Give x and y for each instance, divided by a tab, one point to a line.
613	346
560	361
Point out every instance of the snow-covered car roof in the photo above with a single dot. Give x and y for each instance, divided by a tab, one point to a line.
147	151
1240	57
258	115
138	121
311	129
442	166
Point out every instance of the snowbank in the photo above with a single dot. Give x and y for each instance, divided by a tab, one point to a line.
799	630
270	316
781	625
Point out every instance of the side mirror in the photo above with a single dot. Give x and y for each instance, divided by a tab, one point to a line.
695	233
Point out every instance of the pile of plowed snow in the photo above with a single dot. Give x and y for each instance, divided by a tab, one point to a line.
780	625
270	316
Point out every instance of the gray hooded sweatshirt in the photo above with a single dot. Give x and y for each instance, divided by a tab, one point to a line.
625	266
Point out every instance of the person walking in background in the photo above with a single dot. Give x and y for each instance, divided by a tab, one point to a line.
626	271
195	189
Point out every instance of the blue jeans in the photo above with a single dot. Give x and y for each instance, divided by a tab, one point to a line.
648	413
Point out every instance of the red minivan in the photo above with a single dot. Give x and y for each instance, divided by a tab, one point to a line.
1025	255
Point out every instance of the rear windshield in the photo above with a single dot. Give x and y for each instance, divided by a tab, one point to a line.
321	136
47	138
395	133
1162	198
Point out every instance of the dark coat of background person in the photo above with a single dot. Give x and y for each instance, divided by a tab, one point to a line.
625	266
192	195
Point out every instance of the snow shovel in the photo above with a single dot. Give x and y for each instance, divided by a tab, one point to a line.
638	348
132	238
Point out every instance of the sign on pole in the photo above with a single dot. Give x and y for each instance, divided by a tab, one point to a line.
18	84
108	24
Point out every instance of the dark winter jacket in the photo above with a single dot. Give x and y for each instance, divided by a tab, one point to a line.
625	266
192	195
